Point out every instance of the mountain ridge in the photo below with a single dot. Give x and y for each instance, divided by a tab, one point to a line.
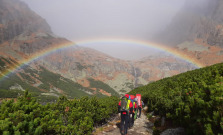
81	64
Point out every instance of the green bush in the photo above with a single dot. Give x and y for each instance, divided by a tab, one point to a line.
193	99
76	116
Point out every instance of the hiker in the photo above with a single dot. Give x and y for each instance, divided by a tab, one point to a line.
132	114
125	107
135	107
138	96
140	108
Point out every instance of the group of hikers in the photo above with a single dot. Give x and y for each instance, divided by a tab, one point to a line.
129	107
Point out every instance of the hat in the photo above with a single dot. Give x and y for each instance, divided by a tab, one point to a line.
127	95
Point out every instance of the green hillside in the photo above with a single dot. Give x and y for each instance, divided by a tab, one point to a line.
193	99
42	83
101	85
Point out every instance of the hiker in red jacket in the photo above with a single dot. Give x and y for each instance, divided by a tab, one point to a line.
125	107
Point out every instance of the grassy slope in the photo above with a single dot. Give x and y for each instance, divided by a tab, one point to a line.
100	85
48	79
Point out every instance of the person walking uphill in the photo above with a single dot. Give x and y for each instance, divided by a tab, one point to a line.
125	107
132	114
140	108
140	103
136	108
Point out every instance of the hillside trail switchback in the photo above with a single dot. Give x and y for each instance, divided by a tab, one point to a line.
142	126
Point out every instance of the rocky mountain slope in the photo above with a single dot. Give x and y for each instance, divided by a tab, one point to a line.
22	31
15	20
80	64
197	30
24	34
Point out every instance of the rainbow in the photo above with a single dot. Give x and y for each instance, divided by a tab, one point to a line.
158	47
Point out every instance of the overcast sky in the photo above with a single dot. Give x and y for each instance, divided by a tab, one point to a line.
81	20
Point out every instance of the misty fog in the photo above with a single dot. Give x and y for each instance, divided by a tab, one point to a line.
86	20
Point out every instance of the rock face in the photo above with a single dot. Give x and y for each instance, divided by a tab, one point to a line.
16	18
22	31
202	19
197	30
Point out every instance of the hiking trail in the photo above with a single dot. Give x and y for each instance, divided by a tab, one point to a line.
142	126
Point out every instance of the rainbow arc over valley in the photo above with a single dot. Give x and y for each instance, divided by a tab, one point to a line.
54	48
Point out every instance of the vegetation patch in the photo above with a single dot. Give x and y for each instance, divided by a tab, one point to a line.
10	93
76	116
193	100
129	85
2	63
80	67
122	90
102	85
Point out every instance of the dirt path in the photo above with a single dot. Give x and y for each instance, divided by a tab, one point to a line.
142	126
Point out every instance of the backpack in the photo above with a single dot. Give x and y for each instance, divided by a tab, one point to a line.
132	100
138	96
136	101
124	105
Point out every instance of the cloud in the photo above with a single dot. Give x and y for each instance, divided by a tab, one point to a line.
80	19
97	19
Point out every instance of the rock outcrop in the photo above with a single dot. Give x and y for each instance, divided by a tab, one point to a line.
16	18
202	19
199	28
